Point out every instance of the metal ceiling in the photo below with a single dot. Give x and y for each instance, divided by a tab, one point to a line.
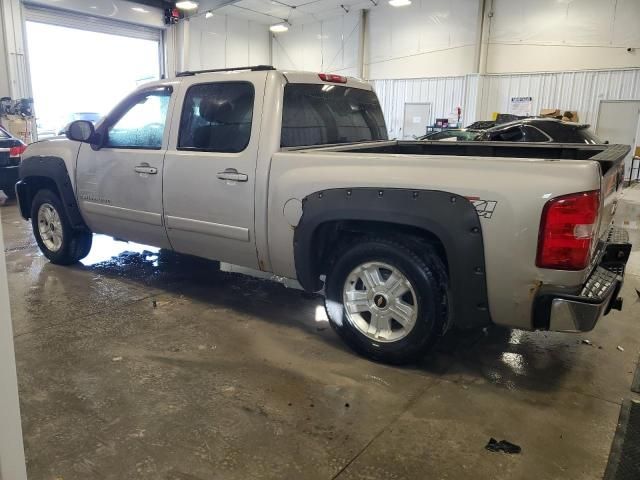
273	11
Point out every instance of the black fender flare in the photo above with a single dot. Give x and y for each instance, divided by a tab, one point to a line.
451	218
55	169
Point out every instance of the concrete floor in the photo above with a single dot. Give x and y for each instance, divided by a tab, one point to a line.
142	366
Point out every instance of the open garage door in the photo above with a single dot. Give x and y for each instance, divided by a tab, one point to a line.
81	66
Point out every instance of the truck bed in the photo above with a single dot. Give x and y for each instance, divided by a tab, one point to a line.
606	155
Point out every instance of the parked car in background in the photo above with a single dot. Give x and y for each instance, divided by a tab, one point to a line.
525	130
453	135
92	117
541	130
11	150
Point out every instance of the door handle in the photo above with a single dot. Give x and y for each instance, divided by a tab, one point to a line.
233	175
146	168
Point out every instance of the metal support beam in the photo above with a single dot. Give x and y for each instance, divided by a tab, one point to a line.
485	14
15	51
363	53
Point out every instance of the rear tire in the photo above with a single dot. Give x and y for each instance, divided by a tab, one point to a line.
388	300
57	240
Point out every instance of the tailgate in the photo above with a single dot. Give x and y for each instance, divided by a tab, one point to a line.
611	162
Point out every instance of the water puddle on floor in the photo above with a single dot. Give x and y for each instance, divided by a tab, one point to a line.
106	249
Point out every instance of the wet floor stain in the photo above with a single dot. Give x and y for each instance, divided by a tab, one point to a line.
143	363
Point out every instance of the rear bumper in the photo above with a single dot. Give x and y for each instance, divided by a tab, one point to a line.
580	309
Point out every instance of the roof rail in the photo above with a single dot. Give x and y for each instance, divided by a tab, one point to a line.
254	68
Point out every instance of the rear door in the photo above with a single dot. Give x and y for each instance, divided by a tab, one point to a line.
210	168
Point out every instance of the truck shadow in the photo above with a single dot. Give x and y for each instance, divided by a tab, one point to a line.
511	359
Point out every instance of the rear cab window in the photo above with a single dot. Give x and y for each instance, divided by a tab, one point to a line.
316	114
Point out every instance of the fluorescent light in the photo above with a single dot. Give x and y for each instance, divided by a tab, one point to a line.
399	3
279	28
187	5
139	9
208	15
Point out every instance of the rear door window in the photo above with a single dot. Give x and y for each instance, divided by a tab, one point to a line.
217	117
328	114
513	134
532	134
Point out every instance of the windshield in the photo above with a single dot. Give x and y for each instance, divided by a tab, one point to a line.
327	114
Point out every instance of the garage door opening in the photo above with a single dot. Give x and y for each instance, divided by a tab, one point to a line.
79	74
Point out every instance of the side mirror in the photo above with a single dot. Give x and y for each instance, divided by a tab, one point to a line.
81	131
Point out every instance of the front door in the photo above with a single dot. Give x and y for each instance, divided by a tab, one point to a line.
120	181
210	168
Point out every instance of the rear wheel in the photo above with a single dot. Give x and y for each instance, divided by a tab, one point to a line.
388	300
57	240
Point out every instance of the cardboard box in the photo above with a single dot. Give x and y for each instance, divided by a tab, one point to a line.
18	127
564	115
551	113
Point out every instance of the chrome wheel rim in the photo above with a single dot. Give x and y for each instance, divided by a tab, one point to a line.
380	302
50	227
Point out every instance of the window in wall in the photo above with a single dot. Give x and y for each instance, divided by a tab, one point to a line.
326	114
142	126
217	117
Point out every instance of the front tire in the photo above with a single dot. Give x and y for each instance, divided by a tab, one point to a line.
57	240
388	300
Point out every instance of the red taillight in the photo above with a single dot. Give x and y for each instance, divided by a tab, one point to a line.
17	151
567	231
330	77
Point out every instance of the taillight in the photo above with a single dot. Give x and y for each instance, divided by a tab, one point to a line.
17	151
330	77
567	231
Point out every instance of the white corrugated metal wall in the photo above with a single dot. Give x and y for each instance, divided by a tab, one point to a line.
580	91
480	97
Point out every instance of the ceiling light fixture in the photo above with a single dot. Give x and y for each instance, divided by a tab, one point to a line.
279	28
399	3
187	5
208	15
139	9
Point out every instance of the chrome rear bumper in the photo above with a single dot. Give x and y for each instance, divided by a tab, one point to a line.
579	311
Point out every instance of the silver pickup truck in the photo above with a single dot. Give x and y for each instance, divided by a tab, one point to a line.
292	173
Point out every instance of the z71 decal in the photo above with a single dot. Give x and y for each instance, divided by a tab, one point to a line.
485	208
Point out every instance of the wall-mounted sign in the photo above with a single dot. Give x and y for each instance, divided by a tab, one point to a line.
521	106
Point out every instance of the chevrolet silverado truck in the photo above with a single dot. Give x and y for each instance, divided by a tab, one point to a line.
292	173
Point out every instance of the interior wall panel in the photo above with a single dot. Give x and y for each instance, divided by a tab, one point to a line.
425	39
554	35
328	46
223	41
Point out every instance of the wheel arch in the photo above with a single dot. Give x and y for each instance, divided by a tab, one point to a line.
449	222
37	173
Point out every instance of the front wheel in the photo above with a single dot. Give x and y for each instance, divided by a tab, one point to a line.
57	239
388	300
